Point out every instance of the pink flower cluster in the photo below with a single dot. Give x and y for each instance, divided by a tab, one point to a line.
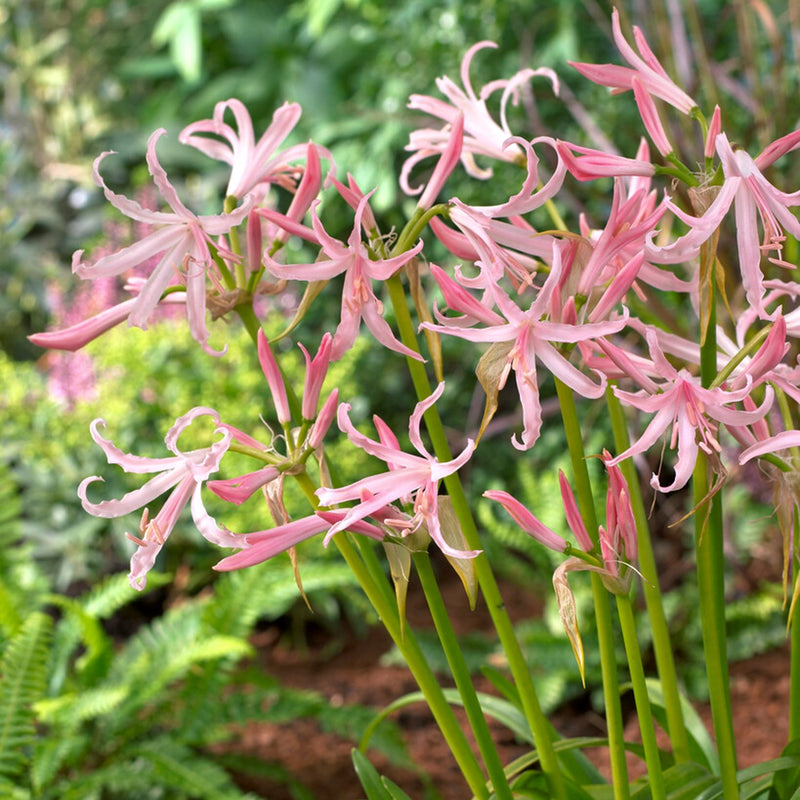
547	301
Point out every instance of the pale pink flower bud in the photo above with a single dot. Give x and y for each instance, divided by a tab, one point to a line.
573	514
316	370
528	521
274	378
714	129
323	421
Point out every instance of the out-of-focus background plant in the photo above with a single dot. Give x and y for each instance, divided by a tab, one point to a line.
83	76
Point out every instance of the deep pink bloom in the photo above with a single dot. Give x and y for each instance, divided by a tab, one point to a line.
409	476
482	134
645	67
254	165
183	240
183	473
358	298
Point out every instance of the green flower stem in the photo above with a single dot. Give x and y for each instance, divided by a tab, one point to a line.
420	669
372	580
794	667
229	205
458	666
662	645
711	587
602	603
417	224
643	711
494	602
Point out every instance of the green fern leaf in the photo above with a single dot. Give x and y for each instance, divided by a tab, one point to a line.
23	678
181	770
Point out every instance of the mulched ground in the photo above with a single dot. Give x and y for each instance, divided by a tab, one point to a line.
322	761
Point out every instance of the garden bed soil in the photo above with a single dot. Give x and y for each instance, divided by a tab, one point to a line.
322	761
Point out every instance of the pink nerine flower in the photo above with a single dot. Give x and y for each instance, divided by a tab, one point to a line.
183	240
482	134
691	412
184	473
645	67
411	477
530	334
358	298
254	165
754	199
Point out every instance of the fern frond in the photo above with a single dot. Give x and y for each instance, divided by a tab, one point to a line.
181	770
23	678
54	754
10	791
115	592
68	711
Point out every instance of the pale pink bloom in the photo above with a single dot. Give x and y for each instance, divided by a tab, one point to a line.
444	166
632	219
754	199
183	473
358	298
780	441
691	411
498	248
408	476
183	240
532	332
650	118
645	67
482	134
254	165
534	192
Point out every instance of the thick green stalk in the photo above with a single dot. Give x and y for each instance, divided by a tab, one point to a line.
420	669
372	580
494	602
464	684
643	711
602	604
662	645
711	587
794	671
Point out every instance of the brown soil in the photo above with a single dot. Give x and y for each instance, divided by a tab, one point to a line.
322	761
